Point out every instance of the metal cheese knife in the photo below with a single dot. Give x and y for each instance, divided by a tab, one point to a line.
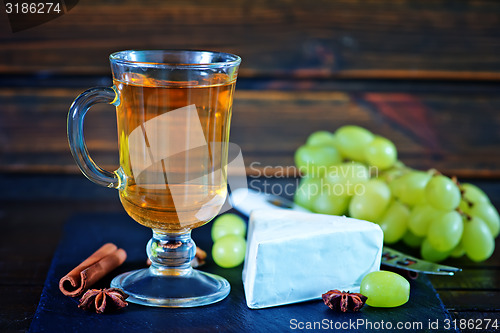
246	200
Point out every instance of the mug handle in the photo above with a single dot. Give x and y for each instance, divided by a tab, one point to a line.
77	144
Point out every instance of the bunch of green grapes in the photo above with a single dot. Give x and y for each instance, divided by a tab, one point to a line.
354	172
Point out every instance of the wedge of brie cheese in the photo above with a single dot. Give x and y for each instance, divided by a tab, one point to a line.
295	256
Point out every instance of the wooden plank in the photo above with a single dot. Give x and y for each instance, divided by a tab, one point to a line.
393	39
469	279
470	300
30	236
455	134
18	306
26	255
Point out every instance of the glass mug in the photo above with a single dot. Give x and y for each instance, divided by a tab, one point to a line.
173	113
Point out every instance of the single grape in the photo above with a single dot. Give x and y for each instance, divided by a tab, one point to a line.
352	140
370	204
430	254
229	251
458	251
329	203
228	224
315	160
487	212
356	173
420	219
411	187
336	174
396	186
381	153
385	289
473	194
390	175
394	222
321	138
308	188
445	231
465	206
442	193
412	240
477	240
401	166
347	178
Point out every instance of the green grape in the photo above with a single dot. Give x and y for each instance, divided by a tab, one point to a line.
390	175
347	178
385	289
308	188
315	160
465	206
335	174
412	240
442	193
356	173
430	254
381	153
352	140
477	240
410	187
394	222
370	204
445	231
228	224
420	218
458	251
474	194
329	203
321	138
396	187
400	166
229	251
340	183
487	212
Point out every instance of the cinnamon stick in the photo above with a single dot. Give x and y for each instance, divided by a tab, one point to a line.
92	269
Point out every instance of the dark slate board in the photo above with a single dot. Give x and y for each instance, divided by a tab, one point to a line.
85	233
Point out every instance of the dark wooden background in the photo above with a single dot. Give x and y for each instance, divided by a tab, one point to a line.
425	74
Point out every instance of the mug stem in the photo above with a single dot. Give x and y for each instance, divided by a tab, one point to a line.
171	253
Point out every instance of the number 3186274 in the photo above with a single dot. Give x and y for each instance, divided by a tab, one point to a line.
32	8
477	324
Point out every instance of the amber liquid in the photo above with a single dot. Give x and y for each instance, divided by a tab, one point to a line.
170	185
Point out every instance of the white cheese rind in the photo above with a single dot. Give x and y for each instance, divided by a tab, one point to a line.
294	256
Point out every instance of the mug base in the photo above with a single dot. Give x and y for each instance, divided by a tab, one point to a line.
194	289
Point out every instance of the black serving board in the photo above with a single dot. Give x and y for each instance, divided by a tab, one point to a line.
85	233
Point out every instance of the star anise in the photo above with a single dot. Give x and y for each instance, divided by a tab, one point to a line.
103	300
344	301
